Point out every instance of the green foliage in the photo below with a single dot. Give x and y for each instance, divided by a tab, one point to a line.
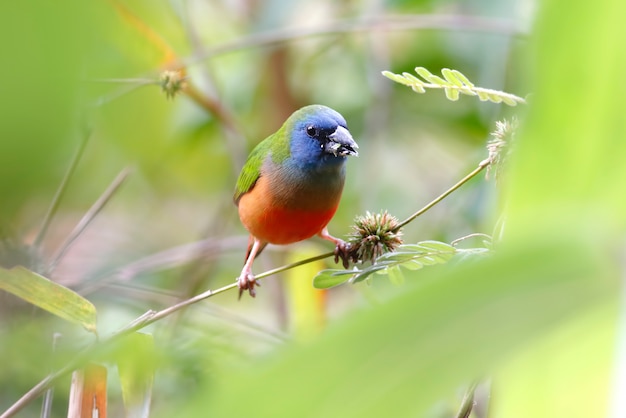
408	256
539	313
48	295
442	330
453	83
136	362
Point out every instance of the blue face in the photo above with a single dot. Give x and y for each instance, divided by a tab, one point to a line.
320	137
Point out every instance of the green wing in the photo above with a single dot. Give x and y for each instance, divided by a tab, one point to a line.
276	146
251	170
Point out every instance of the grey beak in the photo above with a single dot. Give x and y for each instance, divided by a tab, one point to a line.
341	144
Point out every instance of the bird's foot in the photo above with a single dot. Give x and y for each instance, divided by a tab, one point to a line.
343	250
246	281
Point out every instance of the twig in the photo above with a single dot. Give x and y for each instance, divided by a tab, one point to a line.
46	406
59	193
387	23
467	404
88	218
371	24
481	166
474	235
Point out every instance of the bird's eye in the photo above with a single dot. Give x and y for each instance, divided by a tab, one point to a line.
311	131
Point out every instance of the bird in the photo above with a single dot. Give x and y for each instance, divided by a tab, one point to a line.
291	183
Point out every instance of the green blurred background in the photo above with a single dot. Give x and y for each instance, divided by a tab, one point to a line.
538	320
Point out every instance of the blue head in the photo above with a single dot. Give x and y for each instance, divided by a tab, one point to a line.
319	137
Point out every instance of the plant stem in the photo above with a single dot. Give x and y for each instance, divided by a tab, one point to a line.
445	194
468	402
368	25
59	193
88	218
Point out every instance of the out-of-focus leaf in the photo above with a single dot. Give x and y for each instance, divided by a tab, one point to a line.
328	278
136	362
452	94
39	94
423	343
395	275
451	77
48	295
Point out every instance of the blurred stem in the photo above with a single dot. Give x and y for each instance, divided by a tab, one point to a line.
481	166
88	218
46	407
146	31
468	402
60	192
212	106
368	25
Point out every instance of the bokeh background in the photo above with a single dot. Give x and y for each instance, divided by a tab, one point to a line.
87	73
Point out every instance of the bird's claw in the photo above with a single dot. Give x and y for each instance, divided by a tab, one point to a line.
343	250
247	282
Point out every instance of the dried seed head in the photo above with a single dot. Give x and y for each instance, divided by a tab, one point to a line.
499	147
172	82
373	235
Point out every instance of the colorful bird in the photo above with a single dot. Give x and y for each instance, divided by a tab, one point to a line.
290	186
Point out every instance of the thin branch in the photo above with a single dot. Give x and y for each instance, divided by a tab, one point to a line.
46	407
54	205
88	218
467	404
474	235
386	23
213	106
481	166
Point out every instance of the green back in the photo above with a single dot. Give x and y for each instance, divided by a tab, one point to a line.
276	145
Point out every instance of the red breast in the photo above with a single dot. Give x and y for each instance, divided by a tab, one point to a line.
266	219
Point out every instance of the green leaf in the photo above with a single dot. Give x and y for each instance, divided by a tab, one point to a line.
437	80
509	101
423	72
328	278
364	274
396	256
460	76
495	98
136	361
397	78
412	265
447	330
452	94
451	77
436	245
454	84
412	79
467	91
395	275
483	96
48	295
